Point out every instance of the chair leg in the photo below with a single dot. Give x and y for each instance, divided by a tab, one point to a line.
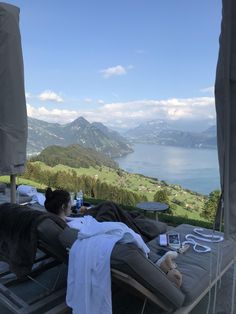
58	276
144	305
49	290
38	283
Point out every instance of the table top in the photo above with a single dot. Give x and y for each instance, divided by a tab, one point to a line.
153	206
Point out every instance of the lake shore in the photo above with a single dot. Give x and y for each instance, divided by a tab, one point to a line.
193	169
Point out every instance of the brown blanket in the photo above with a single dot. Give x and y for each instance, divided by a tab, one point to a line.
109	211
18	236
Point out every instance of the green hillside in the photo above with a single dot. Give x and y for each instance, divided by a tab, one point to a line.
74	156
75	167
115	184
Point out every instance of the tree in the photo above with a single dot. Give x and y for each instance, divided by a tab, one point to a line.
120	172
210	206
161	196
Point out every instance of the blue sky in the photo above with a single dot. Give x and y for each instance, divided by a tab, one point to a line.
120	62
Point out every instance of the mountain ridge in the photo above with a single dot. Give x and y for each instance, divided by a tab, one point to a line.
160	132
75	156
89	135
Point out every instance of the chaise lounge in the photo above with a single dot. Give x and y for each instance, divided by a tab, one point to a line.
131	269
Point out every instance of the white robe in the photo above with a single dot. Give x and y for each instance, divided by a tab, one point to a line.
89	277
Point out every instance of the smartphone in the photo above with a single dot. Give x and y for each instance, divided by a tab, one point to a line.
174	241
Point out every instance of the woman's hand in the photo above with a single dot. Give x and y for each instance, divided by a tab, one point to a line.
83	209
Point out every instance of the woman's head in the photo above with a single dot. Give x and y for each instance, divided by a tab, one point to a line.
58	202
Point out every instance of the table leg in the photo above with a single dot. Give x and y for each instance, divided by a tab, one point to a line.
156	215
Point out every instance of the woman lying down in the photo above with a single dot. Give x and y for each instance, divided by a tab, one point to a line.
89	282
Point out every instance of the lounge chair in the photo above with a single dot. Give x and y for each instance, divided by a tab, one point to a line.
129	267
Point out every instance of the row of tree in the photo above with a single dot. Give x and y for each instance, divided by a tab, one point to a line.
209	208
94	188
91	186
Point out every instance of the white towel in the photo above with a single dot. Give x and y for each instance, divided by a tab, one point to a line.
89	279
26	190
38	198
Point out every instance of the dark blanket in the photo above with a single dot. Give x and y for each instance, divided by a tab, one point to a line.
109	211
18	236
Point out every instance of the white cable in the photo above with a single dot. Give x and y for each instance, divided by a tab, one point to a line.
200	248
207	237
196	245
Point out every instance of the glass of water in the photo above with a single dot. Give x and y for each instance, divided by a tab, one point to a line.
72	198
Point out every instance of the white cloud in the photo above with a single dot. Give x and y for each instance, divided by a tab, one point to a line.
49	95
54	115
114	71
88	100
130	114
100	102
208	90
27	95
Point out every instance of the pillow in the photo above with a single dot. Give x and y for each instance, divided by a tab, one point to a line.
150	227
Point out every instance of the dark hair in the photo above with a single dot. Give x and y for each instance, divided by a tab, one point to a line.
55	200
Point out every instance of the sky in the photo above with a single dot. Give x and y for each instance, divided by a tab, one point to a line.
120	62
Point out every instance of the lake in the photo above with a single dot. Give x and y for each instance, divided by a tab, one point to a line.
194	169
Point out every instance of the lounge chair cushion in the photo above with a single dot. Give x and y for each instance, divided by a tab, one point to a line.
130	260
126	258
68	236
199	269
195	267
48	235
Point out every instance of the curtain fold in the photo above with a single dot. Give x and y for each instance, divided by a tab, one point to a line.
225	100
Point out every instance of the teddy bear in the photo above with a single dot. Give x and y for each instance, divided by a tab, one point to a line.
169	267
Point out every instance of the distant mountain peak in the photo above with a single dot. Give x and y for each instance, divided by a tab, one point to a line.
90	135
79	122
160	132
158	123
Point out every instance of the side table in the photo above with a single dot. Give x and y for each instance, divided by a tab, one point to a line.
155	207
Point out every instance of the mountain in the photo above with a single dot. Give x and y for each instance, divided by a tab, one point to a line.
160	132
74	156
90	135
150	129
